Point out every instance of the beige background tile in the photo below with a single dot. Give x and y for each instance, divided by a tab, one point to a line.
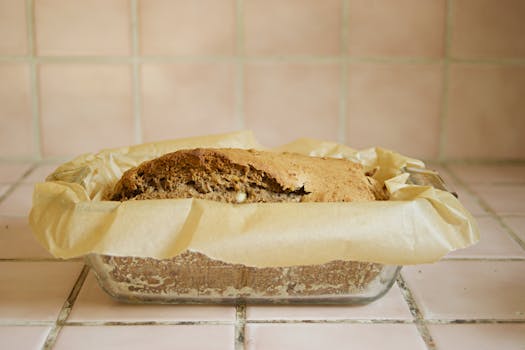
396	28
185	47
395	106
471	203
13	27
468	289
287	101
517	224
35	291
490	173
16	120
85	107
478	336
76	27
292	27
332	336
503	199
188	337
181	27
18	202
187	99
12	172
23	337
17	240
485	112
488	29
3	189
40	173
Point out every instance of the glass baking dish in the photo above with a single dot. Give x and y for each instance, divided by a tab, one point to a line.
193	278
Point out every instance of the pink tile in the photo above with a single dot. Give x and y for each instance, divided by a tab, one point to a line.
18	202
93	304
390	306
95	27
395	106
92	102
306	336
490	174
488	29
517	224
297	27
468	289
485	112
187	27
11	172
17	240
35	291
287	101
187	337
494	243
16	133
400	28
13	32
23	337
187	99
478	336
503	199
40	173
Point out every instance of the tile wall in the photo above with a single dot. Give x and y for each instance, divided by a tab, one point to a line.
435	79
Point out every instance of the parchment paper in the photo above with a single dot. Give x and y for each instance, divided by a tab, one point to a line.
419	224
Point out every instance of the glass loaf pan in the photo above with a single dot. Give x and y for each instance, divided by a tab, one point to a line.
194	278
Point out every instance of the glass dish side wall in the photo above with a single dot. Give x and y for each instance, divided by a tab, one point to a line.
194	278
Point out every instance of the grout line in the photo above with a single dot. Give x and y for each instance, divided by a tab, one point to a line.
137	97
494	61
416	313
66	310
343	98
220	58
240	326
26	323
33	76
477	321
233	58
239	65
143	323
270	58
336	321
443	117
262	321
487	208
387	321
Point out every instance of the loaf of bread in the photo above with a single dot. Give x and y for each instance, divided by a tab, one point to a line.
241	176
245	176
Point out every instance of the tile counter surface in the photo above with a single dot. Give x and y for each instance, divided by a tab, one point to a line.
472	299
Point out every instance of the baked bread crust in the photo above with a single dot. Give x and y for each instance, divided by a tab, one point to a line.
245	176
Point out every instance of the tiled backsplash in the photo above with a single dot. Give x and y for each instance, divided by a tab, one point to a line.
435	79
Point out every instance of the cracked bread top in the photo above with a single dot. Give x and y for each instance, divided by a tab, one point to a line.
245	176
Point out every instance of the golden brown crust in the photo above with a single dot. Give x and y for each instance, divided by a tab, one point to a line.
221	174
